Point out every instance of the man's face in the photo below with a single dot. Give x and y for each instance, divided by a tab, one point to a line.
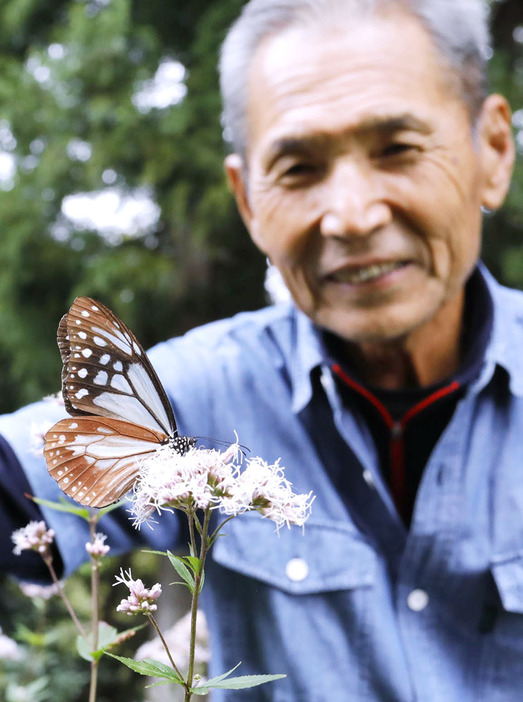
364	183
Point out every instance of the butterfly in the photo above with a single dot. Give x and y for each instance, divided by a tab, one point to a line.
119	410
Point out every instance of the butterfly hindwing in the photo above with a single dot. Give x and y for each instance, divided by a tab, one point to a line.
95	460
106	371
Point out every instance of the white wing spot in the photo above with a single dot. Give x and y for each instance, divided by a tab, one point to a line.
76	355
78	321
66	480
118	366
83	372
118	382
82	335
95	308
73	425
74	488
104	360
99	341
85	313
86	353
101	378
137	349
81	393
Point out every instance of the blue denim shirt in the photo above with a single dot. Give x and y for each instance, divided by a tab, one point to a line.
354	607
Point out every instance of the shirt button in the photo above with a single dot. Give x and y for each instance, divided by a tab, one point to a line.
368	478
297	570
417	600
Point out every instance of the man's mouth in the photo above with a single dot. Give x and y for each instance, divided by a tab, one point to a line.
366	274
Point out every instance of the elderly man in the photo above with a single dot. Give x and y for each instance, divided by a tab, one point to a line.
366	148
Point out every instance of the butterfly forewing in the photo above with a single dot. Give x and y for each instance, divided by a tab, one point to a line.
106	371
120	412
95	460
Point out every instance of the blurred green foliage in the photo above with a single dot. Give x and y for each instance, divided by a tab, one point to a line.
503	231
70	72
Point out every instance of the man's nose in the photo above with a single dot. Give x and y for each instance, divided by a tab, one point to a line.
354	201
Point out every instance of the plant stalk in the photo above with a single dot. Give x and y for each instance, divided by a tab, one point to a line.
204	549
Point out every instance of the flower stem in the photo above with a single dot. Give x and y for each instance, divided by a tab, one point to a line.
95	596
164	643
49	563
204	549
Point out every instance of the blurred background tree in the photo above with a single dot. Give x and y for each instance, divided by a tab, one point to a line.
503	240
111	180
111	177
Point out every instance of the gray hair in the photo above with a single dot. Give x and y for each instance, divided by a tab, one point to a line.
458	29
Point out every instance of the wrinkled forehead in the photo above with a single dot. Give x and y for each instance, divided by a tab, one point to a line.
381	58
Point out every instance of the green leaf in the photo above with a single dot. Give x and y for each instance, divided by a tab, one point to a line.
193	561
239	683
150	667
182	570
64	506
107	636
106	510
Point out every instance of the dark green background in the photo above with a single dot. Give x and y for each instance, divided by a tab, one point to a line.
199	264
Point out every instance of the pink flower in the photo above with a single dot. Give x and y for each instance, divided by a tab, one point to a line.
97	548
141	600
33	537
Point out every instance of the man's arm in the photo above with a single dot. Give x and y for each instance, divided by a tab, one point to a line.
23	471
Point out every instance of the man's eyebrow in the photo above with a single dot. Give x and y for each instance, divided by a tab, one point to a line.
394	123
387	124
293	145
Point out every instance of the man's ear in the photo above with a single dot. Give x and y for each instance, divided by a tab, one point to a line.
497	150
236	173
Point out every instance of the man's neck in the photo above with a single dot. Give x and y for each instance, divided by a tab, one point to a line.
429	355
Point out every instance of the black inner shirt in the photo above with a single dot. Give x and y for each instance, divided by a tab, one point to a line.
419	415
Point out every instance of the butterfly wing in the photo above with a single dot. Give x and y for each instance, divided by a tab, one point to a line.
106	371
95	460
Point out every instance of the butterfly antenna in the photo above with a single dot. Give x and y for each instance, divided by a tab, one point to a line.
220	442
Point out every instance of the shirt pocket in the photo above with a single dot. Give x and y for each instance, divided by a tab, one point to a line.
507	572
325	556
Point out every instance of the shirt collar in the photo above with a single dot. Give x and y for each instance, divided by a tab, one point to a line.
506	342
503	348
310	354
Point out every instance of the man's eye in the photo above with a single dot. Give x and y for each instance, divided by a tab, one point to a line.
299	169
398	149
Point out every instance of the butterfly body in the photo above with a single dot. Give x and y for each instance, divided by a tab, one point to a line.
119	410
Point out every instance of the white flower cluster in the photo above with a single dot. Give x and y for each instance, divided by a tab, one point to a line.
44	592
210	479
33	537
141	600
9	649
